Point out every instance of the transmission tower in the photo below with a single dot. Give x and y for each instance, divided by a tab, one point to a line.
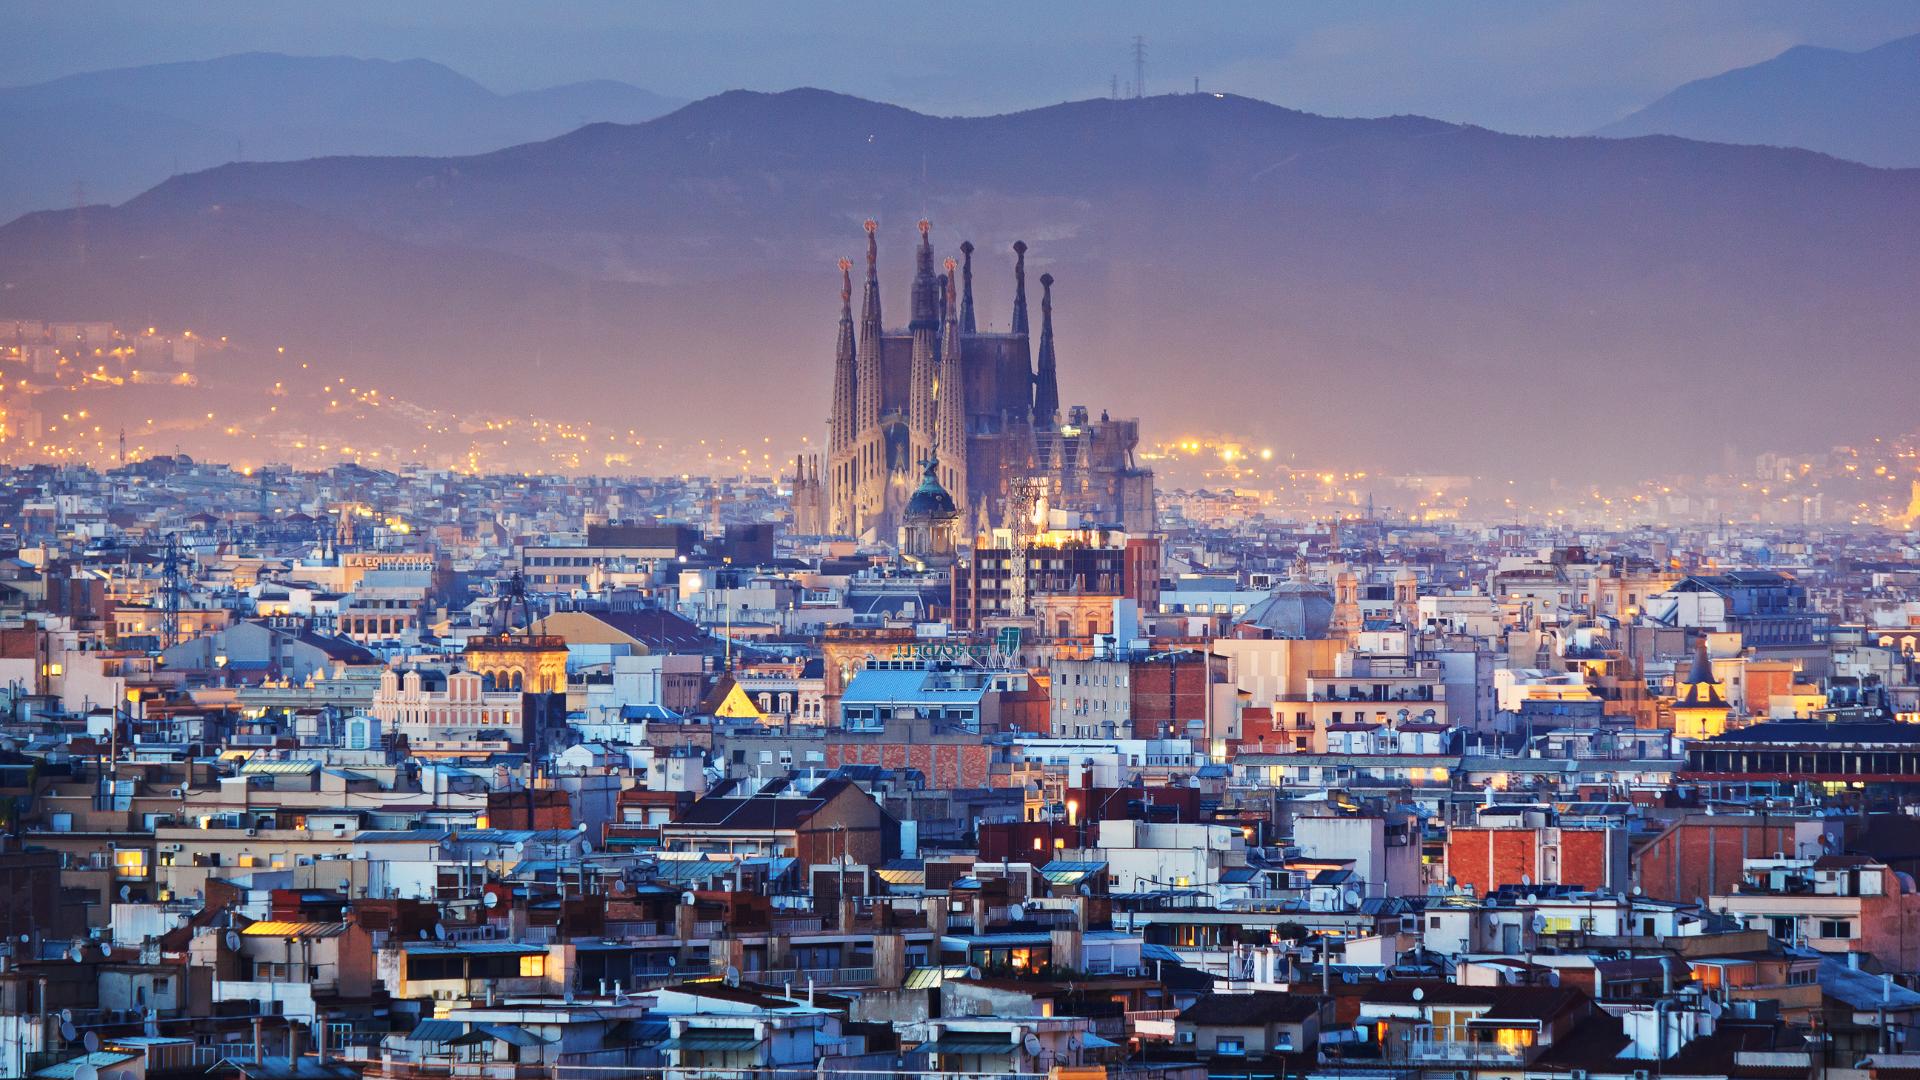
1139	66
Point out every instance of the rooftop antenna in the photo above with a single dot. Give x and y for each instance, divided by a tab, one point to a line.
1139	66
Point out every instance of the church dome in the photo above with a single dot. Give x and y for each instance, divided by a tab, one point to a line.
1295	609
930	499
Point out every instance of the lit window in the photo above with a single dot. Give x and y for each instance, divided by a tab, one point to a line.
533	967
132	864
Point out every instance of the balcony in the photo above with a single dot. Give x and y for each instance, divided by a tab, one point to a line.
1437	1051
798	977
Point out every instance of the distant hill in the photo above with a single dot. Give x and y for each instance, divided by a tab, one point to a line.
120	132
1423	295
1862	106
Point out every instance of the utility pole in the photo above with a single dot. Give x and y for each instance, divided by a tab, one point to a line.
1139	65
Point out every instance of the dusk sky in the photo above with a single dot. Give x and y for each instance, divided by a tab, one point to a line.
1514	65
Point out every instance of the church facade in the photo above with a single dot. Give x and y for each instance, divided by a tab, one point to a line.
981	407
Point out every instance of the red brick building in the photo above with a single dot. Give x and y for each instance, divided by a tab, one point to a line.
1703	854
1484	859
1168	689
946	766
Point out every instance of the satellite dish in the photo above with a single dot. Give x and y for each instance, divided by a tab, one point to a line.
1533	898
586	847
1525	880
233	940
1539	922
423	933
673	962
106	948
490	900
77	954
1016	912
84	1071
439	932
126	893
733	975
91	1041
1553	977
582	827
1636	890
1419	994
519	847
66	1017
1381	975
687	898
973	971
1352	897
68	1031
1032	1043
1349	978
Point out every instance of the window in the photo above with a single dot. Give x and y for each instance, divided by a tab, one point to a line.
533	967
1836	928
1229	1046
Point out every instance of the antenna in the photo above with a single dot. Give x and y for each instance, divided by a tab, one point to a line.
1139	66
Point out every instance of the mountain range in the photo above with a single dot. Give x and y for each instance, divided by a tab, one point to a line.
116	133
1862	106
1408	293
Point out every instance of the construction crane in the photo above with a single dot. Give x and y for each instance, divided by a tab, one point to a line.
173	582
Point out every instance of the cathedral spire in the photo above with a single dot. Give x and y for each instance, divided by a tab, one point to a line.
966	287
840	427
924	372
1046	386
867	367
926	301
950	401
870	302
1019	286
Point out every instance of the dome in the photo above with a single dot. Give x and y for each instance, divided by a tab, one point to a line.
1295	609
930	499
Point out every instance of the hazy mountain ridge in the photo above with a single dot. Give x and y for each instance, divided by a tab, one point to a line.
119	132
1371	286
1863	106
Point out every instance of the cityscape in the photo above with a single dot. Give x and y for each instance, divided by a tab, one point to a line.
956	567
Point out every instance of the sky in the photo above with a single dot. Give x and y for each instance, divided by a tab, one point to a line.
1525	66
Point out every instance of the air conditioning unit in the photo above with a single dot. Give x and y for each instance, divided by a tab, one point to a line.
1641	1074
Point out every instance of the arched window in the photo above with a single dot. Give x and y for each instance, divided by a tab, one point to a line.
486	681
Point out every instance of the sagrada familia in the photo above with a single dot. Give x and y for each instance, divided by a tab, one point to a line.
977	413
